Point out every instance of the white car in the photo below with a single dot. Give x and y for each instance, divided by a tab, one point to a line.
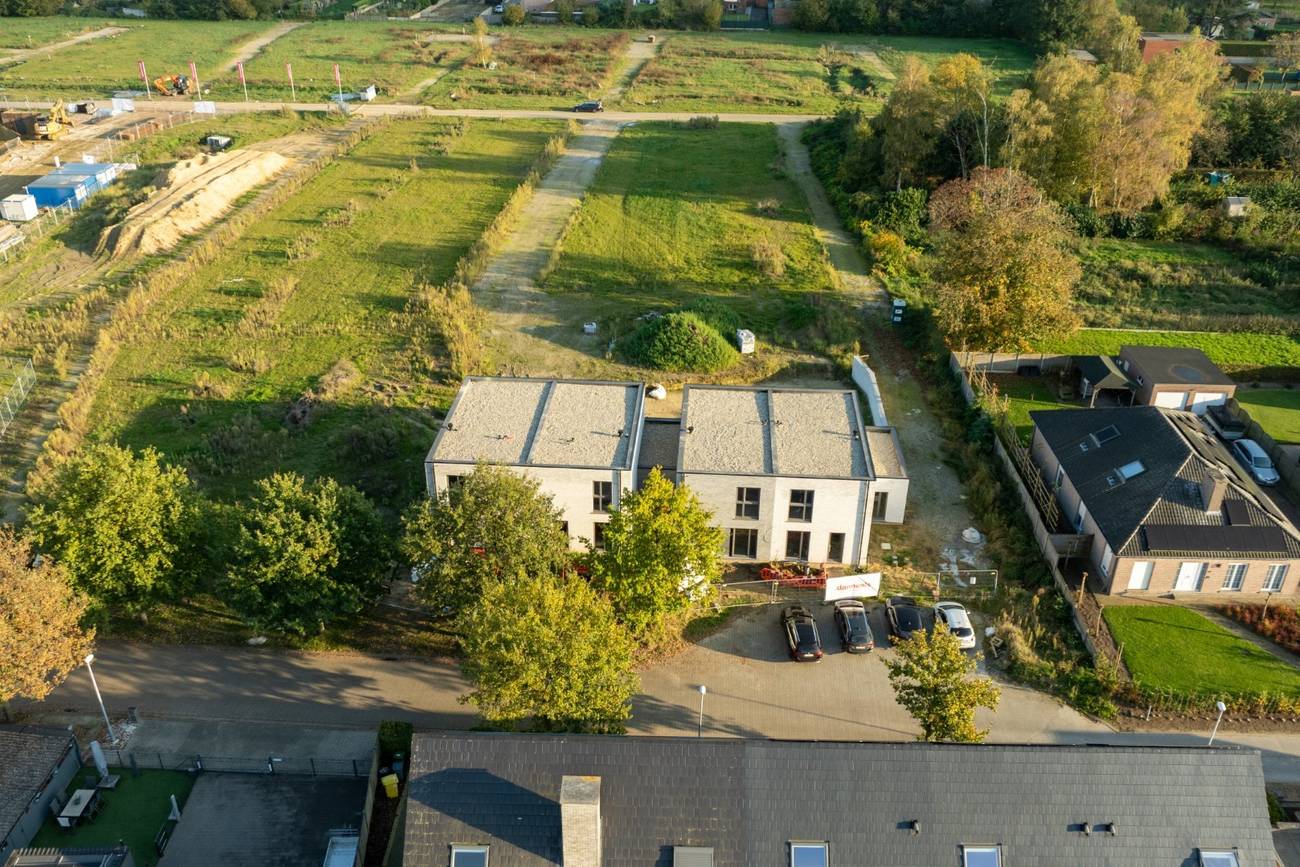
953	615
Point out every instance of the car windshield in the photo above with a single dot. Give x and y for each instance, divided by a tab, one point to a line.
807	633
858	623
1262	462
909	617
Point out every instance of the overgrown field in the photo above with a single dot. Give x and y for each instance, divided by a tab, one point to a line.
34	32
101	66
1170	283
293	350
1244	355
393	56
1011	62
535	68
1167	647
675	219
1276	409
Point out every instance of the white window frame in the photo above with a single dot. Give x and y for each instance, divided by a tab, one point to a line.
1275	578
823	847
967	851
1080	517
1107	561
1218	857
457	848
1240	570
1060	475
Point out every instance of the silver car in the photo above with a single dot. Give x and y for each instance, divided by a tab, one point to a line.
953	615
1256	460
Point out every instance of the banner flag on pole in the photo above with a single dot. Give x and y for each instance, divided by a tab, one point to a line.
239	64
288	69
337	79
194	80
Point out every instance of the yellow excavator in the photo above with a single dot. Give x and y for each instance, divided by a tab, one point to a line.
53	124
172	85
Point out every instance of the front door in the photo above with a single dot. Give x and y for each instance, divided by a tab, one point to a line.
1189	576
1140	577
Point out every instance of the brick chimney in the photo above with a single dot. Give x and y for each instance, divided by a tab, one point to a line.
1213	487
580	821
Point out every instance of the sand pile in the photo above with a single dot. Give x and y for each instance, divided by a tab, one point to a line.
192	194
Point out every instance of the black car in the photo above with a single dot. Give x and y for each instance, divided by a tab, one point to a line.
591	105
904	617
855	631
801	634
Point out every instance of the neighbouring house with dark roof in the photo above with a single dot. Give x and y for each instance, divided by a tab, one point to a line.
1161	505
1175	377
36	765
789	473
507	800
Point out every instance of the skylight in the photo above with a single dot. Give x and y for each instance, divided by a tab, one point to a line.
1106	434
469	856
1131	469
808	855
981	856
1218	858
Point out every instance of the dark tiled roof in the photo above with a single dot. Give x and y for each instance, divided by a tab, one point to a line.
1175	365
1177	454
747	799
1101	371
28	755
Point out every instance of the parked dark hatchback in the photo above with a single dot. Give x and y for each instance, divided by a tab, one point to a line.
592	105
801	634
904	617
855	631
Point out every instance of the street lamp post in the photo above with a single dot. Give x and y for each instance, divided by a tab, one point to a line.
90	657
1221	707
703	691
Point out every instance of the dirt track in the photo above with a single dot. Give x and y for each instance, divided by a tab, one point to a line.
28	53
251	49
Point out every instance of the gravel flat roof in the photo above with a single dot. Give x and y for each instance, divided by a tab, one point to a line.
885	459
776	431
540	422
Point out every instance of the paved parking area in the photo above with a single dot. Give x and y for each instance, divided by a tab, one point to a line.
755	690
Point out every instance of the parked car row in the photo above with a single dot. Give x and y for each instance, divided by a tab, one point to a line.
903	615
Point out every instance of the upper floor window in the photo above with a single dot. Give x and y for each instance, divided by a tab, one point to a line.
747	503
981	856
602	496
801	505
809	855
469	856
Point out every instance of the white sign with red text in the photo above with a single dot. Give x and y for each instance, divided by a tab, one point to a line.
852	586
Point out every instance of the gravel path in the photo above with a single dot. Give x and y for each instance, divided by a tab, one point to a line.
29	53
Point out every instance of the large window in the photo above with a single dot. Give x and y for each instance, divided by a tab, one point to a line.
744	543
801	503
602	496
1235	576
835	549
796	544
809	855
880	505
747	503
1276	578
469	856
981	856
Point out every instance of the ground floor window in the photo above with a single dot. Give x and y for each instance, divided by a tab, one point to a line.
796	544
880	505
598	536
743	543
1276	578
835	550
1235	577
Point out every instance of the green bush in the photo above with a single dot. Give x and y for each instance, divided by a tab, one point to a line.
513	15
680	342
394	738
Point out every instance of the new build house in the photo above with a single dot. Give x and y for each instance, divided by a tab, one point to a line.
789	473
1161	506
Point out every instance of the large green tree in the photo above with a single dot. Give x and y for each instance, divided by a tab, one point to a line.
661	551
41	638
491	524
1004	273
546	652
931	676
125	526
908	125
307	553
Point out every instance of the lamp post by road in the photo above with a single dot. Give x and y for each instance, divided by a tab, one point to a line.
703	692
1221	707
90	657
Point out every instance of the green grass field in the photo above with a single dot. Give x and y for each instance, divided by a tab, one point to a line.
1243	355
1276	409
544	67
102	66
1025	395
133	812
1010	61
309	302
672	219
35	32
393	56
1175	648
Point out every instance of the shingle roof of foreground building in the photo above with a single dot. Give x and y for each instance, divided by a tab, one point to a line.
895	804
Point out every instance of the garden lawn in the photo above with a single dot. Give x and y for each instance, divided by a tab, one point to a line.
134	812
1025	395
394	56
305	312
1276	409
1175	648
535	68
1243	355
34	32
673	218
1166	283
101	66
1010	61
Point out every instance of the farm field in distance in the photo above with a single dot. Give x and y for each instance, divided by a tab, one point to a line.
287	352
35	32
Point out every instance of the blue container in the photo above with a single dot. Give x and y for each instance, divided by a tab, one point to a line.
54	192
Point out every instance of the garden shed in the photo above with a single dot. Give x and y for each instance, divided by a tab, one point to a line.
1236	207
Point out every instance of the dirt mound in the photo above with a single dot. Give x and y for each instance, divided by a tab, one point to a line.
193	194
